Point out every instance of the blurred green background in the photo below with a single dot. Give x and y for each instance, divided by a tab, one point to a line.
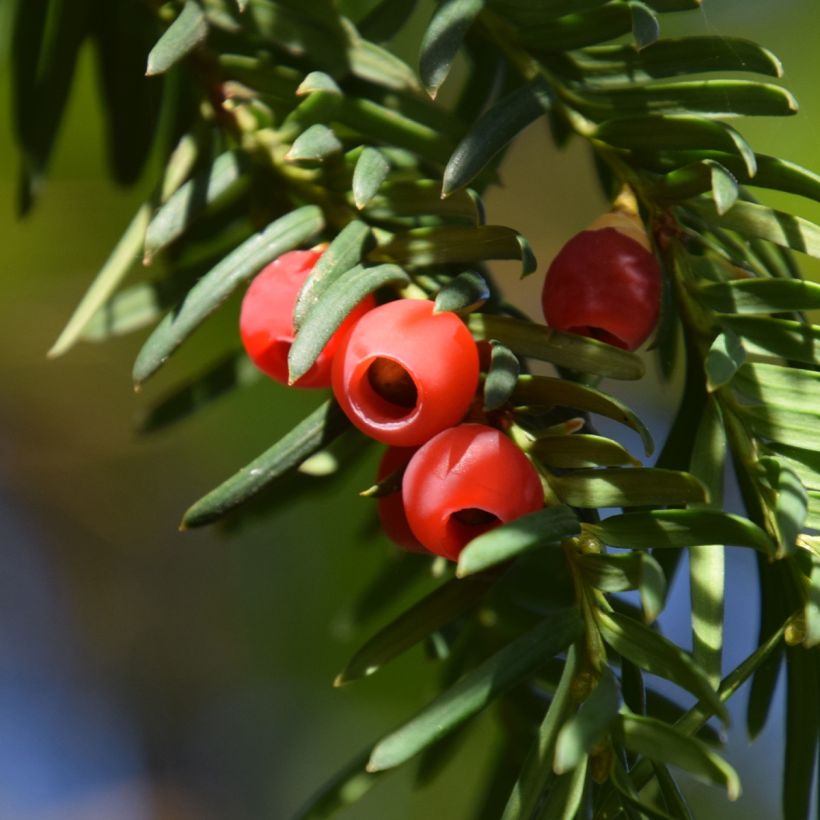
146	673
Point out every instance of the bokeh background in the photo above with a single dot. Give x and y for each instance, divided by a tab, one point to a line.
146	673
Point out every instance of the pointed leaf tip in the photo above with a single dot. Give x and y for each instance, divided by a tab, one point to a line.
183	35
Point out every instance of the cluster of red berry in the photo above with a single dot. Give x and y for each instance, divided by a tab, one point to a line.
407	376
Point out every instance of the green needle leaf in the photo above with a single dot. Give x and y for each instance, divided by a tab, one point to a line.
286	233
539	529
501	377
724	358
645	26
493	130
529	339
663	133
343	253
370	172
443	38
776	337
514	663
657	655
801	732
465	293
316	143
711	98
191	199
672	56
659	741
745	296
752	220
548	391
321	427
724	187
125	254
627	487
589	724
179	39
537	774
332	308
681	528
433	246
451	600
791	501
628	570
580	451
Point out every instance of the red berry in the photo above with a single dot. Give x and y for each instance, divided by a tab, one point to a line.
606	284
391	507
404	373
266	319
466	481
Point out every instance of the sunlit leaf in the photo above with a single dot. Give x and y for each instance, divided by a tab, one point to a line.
707	563
125	254
343	253
667	132
548	391
681	528
710	98
653	653
752	220
216	286
628	570
188	201
180	39
627	487
316	143
579	451
542	528
332	308
569	350
777	337
724	358
791	501
432	246
658	741
745	296
371	170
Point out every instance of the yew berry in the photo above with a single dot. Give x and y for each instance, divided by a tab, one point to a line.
391	507
405	373
266	323
605	283
464	482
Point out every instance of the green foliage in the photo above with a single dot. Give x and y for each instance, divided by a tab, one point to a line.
291	126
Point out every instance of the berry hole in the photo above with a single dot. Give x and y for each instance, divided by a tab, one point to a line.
392	383
475	517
